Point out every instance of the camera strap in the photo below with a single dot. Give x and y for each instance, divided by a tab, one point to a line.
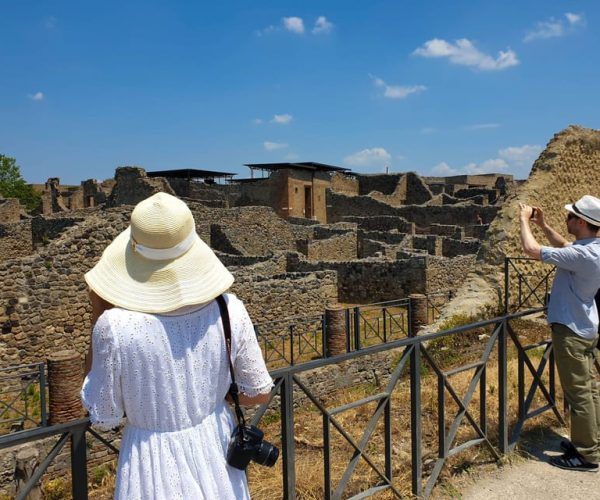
233	388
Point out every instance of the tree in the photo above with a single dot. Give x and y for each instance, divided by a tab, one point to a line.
12	185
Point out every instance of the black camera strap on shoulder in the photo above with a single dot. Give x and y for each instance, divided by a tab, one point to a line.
233	388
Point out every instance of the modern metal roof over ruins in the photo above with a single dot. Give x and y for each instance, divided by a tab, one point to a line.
189	173
307	165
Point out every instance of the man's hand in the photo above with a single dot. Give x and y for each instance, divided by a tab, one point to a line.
526	211
538	217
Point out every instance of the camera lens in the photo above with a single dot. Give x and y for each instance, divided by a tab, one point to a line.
266	454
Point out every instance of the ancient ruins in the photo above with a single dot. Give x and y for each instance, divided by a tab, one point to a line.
297	238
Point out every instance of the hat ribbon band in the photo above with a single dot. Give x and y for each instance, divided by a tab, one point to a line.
579	212
165	253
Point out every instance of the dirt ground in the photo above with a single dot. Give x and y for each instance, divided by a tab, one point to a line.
528	476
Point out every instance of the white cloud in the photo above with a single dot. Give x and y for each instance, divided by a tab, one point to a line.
428	130
545	29
555	28
282	119
272	146
368	157
574	19
322	26
443	169
463	52
486	167
513	159
257	121
292	157
520	155
480	126
397	91
38	96
294	24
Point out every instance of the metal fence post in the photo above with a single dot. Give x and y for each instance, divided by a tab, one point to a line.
506	285
357	328
79	464
287	437
502	389
43	411
415	417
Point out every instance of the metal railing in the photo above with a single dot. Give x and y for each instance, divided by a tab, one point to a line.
532	287
534	395
23	397
291	341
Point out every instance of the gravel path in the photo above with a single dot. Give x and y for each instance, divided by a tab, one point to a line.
533	478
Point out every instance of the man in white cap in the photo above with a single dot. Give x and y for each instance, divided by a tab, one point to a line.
573	316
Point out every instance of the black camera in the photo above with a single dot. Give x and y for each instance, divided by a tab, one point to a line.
247	444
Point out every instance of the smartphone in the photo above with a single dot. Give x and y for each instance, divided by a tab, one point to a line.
533	213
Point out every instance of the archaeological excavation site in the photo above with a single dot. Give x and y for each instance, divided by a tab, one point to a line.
347	277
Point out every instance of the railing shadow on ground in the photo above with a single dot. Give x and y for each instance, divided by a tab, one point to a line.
534	395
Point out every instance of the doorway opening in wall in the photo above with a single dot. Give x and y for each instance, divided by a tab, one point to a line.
308	208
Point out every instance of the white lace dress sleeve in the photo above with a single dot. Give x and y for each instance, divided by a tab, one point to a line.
251	373
101	391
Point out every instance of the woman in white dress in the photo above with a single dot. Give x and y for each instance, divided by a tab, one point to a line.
159	361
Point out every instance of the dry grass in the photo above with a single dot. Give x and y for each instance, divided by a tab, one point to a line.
266	483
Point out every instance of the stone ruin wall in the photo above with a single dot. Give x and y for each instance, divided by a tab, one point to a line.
10	210
341	207
15	240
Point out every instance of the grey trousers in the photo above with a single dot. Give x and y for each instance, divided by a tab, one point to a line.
574	358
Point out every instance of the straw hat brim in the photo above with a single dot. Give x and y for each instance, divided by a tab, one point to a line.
126	279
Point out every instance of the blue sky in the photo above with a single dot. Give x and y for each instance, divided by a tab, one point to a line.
434	87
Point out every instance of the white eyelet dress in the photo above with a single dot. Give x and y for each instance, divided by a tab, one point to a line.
169	375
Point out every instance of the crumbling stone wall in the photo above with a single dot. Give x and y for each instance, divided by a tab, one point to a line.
15	240
382	223
340	207
339	247
342	183
133	185
367	281
245	230
452	247
445	274
10	210
44	229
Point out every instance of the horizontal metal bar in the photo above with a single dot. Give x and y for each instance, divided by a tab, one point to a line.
17	367
539	411
360	402
460	369
541	343
370	492
464	446
407	341
41	432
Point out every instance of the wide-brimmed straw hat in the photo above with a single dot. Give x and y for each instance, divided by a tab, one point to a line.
586	208
159	263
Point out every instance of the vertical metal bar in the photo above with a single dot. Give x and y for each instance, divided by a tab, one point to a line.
291	345
506	285
26	417
43	413
520	293
415	419
348	337
483	400
384	326
323	335
357	328
78	464
521	384
387	422
551	379
326	459
502	390
287	437
441	417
